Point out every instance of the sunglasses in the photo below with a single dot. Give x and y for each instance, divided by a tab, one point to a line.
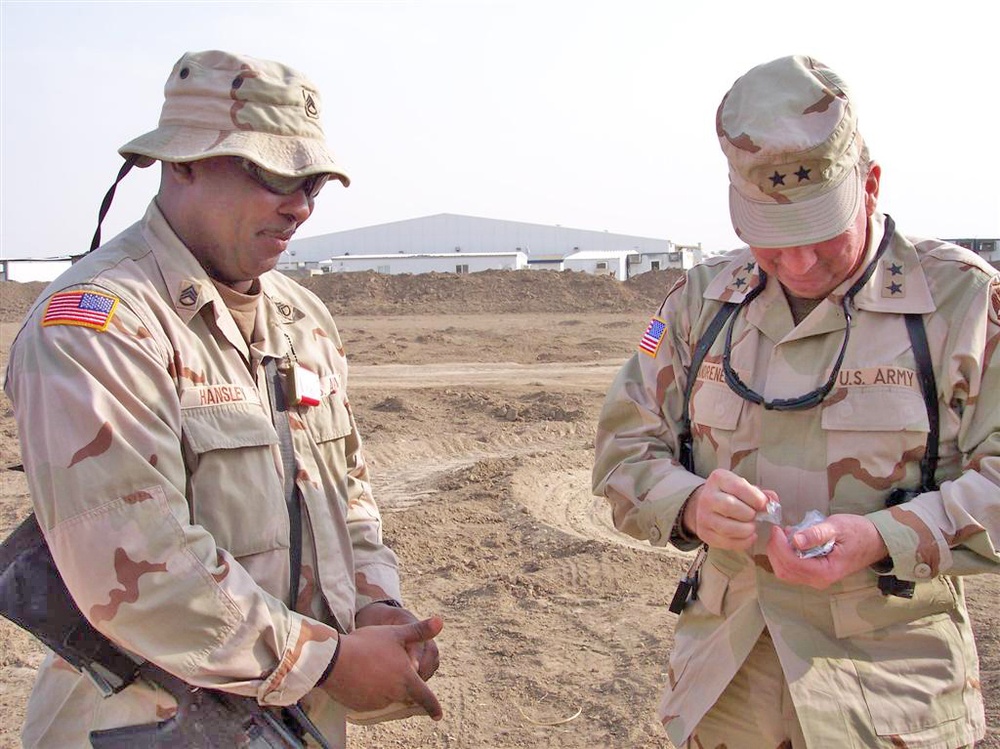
282	185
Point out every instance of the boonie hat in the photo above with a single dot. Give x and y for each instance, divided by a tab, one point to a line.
222	104
790	133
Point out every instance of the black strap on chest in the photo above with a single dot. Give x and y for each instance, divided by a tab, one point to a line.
279	415
928	388
684	441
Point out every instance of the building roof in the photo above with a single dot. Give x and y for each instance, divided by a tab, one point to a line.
446	232
600	254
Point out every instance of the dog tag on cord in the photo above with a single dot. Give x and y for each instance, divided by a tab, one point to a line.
303	386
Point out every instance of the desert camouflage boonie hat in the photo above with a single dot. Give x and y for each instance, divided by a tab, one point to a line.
222	104
790	133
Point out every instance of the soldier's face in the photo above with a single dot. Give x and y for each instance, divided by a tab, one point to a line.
813	271
235	226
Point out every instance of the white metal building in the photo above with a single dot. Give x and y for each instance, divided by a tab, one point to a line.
26	269
426	241
442	262
602	263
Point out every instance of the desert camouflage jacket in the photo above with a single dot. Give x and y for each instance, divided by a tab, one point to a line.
155	471
864	670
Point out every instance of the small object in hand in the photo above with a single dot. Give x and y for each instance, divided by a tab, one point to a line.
771	513
811	518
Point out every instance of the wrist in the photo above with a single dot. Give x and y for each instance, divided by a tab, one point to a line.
683	528
332	664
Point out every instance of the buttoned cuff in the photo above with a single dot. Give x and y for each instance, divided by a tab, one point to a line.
659	518
903	544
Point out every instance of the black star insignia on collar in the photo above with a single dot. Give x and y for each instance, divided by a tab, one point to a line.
803	173
740	282
895	288
896	269
749	267
777	179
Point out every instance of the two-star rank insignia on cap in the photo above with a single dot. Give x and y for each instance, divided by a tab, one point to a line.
89	309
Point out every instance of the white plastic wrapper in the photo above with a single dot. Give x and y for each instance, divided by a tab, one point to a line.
811	518
771	513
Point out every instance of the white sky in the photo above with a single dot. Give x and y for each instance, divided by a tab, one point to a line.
592	114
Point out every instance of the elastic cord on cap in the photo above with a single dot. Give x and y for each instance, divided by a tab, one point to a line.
130	161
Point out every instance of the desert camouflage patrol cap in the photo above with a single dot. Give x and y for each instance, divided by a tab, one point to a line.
222	104
790	133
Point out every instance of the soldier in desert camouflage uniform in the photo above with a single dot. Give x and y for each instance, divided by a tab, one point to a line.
778	650
146	428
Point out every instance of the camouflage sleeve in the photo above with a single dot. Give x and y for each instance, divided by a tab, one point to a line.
636	446
376	571
101	432
956	529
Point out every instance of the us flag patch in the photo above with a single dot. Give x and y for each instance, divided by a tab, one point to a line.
91	309
650	341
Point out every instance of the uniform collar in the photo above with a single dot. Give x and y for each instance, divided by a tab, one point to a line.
897	286
186	281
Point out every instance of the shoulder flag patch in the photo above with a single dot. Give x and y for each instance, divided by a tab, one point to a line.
90	309
650	341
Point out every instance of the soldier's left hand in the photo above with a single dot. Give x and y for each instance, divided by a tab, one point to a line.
423	654
857	544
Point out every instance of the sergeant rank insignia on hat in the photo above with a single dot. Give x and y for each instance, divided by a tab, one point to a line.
650	341
89	309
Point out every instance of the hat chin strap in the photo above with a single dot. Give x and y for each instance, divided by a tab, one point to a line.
130	161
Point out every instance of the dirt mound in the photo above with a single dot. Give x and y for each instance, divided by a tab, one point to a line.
16	298
493	291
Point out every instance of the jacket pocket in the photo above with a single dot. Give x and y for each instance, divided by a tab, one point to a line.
874	439
234	487
909	656
330	420
719	438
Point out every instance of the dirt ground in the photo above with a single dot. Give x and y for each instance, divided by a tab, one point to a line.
477	397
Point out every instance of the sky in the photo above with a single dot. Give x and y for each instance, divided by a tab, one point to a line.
590	114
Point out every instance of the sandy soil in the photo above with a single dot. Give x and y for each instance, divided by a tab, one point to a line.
478	408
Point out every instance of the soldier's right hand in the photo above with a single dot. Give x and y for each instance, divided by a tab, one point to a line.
374	668
722	511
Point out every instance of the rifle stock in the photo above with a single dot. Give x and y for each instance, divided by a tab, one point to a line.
34	597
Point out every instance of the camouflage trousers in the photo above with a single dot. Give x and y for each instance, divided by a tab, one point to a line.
755	711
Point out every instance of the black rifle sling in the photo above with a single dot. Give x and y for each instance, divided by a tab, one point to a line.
279	415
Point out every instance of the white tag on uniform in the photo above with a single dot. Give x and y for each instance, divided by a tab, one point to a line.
303	386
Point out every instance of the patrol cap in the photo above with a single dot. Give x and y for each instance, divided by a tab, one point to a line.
790	133
222	104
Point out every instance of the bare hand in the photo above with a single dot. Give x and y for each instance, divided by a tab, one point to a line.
721	511
857	544
375	668
423	653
